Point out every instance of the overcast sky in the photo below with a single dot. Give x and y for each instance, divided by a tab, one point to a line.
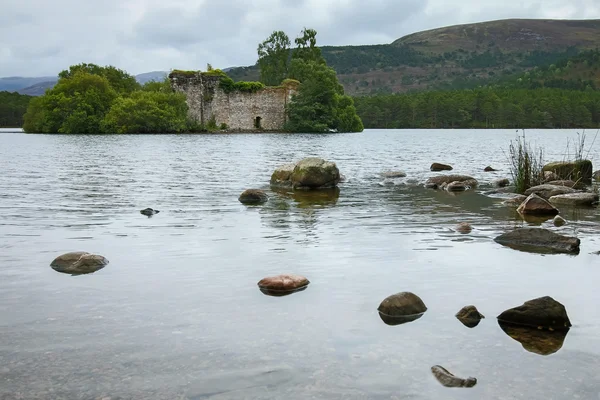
42	37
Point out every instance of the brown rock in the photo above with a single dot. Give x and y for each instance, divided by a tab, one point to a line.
449	380
283	284
469	316
402	304
575	199
559	221
281	177
253	196
536	341
546	191
440	167
464	228
541	313
535	205
436	181
315	173
78	263
501	182
539	240
489	169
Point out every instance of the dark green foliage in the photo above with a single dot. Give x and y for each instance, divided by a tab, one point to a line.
12	109
525	164
228	85
273	56
118	79
482	108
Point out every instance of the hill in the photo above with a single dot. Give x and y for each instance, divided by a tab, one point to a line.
460	56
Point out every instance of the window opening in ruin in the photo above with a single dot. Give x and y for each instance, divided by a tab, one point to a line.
257	123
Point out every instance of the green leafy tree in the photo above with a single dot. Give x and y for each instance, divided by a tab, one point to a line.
147	112
12	108
273	56
119	80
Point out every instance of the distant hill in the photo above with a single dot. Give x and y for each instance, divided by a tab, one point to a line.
457	56
36	86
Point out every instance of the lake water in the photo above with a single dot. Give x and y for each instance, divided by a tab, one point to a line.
177	313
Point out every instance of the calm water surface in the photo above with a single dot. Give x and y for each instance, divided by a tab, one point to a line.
177	313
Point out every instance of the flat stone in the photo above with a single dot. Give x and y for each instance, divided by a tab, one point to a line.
436	181
440	167
575	199
393	174
546	191
78	262
286	283
539	240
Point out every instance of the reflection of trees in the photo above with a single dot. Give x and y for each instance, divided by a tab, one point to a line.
536	341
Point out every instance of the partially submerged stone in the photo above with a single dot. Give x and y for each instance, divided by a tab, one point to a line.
400	308
469	316
559	221
535	205
282	285
574	170
567	183
539	240
440	167
489	169
447	379
253	196
536	341
78	263
546	191
596	175
315	173
149	212
457	186
575	199
515	201
393	174
435	182
541	313
501	182
281	177
464	228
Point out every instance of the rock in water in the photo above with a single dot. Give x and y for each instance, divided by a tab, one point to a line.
449	380
535	205
440	167
315	173
393	174
253	196
546	191
559	221
282	285
281	177
536	341
541	313
501	182
464	228
78	263
149	212
575	199
576	171
539	240
469	316
489	169
400	308
436	182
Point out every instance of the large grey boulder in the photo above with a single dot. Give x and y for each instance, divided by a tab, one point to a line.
572	170
546	191
541	313
575	199
309	173
440	181
535	205
539	240
78	263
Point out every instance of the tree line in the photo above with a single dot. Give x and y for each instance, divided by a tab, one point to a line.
482	108
12	109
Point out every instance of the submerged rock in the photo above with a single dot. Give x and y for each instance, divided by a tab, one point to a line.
447	379
469	316
546	191
489	169
401	308
393	174
539	240
575	199
253	196
436	182
315	173
282	285
541	313
535	205
440	167
515	201
78	263
464	228
501	182
596	175
536	341
576	170
149	212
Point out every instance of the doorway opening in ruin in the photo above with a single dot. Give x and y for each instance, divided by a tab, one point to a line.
257	121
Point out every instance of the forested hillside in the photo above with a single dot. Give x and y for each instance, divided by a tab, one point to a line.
12	109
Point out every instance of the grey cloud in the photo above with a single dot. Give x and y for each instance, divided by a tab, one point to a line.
41	37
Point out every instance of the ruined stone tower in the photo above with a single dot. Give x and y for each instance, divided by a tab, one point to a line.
262	110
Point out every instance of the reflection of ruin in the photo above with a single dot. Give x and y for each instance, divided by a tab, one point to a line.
537	341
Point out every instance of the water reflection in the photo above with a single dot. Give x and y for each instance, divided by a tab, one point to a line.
312	198
281	293
398	320
536	341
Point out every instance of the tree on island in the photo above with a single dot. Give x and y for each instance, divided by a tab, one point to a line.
320	104
93	99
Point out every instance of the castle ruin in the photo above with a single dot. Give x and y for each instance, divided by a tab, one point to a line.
258	111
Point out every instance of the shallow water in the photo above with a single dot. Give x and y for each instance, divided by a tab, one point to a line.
177	313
